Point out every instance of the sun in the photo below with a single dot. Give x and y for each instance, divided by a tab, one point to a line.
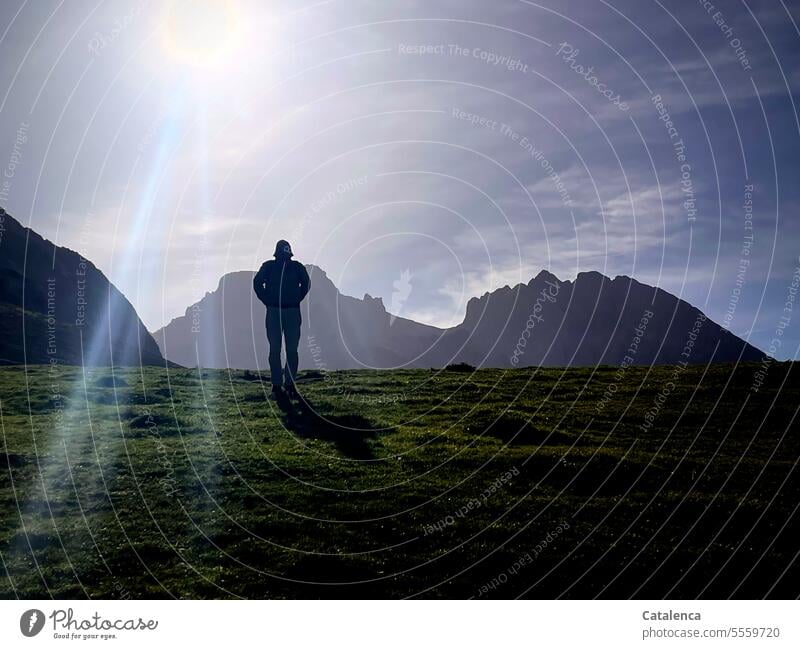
202	33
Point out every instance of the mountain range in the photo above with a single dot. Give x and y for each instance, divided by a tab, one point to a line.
591	320
56	306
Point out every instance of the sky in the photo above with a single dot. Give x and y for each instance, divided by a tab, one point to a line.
423	151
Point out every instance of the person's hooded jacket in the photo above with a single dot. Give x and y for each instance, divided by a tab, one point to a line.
282	282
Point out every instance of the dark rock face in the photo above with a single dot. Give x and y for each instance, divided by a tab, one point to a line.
56	306
593	320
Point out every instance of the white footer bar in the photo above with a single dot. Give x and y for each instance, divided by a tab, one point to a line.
400	625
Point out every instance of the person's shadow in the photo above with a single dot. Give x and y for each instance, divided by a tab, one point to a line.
350	433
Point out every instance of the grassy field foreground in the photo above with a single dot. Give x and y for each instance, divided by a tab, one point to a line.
537	483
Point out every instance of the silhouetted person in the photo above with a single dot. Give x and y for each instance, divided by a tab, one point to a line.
281	284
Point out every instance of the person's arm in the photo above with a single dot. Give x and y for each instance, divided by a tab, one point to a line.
305	282
259	283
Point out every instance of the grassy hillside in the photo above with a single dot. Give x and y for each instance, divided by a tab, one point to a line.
548	483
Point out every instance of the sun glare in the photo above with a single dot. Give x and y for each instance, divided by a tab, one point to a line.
202	33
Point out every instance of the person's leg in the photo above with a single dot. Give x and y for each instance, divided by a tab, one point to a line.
291	332
274	338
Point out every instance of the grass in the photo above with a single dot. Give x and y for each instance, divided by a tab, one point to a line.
536	483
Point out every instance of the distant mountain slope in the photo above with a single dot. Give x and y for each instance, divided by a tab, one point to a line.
51	299
593	320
